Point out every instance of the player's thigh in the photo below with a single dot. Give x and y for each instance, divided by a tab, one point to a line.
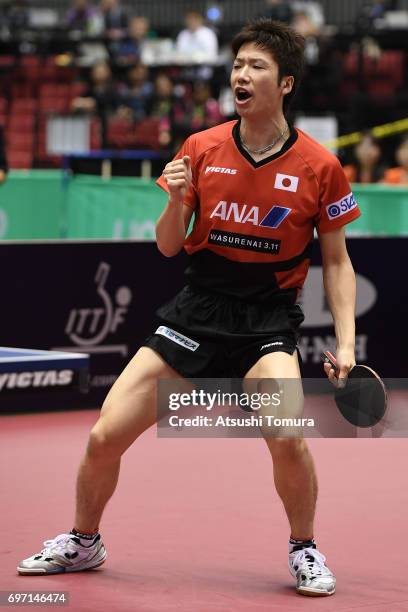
276	365
131	405
277	376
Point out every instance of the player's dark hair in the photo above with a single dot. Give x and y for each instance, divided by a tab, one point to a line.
286	46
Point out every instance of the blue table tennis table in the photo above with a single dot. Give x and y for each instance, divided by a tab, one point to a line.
28	372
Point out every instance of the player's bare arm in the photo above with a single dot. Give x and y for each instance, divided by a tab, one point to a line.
340	287
173	223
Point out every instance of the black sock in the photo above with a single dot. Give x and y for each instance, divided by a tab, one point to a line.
87	537
295	545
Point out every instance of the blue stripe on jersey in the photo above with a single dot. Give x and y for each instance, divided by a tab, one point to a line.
275	217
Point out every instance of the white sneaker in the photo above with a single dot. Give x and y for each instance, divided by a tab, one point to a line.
65	553
313	576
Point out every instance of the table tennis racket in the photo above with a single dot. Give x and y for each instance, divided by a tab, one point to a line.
363	399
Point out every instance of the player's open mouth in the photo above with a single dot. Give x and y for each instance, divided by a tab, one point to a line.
242	96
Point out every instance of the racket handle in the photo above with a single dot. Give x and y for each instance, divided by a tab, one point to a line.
329	358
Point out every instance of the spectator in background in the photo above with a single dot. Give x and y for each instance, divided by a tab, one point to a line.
367	166
167	108
115	20
3	158
200	113
197	40
130	50
323	66
304	25
101	97
205	110
17	15
279	10
312	9
399	175
84	17
136	93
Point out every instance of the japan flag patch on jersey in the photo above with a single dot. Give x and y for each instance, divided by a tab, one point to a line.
286	182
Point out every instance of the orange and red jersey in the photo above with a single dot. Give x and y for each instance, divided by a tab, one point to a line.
255	220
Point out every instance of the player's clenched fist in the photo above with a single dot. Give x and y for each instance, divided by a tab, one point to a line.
178	177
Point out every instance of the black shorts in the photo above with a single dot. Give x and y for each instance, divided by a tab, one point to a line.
209	335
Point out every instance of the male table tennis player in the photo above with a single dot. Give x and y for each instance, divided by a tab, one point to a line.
257	188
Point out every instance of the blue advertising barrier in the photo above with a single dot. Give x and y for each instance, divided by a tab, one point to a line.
100	298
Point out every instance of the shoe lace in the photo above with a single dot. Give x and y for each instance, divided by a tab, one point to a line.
313	560
59	544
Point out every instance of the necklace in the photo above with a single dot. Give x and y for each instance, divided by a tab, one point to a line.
265	149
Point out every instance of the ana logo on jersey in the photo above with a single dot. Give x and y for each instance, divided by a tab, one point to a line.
286	182
219	170
242	213
337	209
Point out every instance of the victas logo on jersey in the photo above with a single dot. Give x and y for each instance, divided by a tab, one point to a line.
243	213
286	182
341	207
219	170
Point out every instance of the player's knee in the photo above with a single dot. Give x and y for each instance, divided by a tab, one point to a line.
102	447
286	449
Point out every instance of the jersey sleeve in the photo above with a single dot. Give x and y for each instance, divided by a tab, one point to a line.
189	149
337	205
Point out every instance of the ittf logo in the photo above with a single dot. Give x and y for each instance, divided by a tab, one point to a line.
286	182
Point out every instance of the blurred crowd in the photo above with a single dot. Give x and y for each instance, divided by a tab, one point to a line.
187	90
368	165
123	86
177	109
